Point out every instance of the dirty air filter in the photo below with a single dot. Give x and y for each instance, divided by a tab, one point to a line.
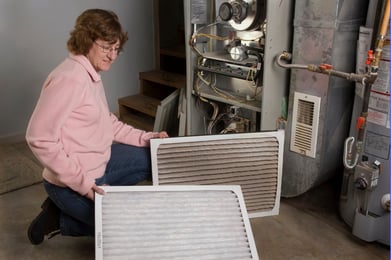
172	222
251	160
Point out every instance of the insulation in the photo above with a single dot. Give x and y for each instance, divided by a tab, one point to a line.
251	160
172	222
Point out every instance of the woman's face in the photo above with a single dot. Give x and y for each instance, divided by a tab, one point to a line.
102	54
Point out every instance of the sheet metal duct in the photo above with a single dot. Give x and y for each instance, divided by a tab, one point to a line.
324	32
173	222
251	160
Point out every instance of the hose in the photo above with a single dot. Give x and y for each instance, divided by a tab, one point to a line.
348	161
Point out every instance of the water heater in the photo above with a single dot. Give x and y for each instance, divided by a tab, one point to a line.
365	193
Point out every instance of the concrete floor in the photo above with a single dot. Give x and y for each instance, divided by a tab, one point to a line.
308	227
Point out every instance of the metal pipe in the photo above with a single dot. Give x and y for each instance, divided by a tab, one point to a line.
323	69
288	56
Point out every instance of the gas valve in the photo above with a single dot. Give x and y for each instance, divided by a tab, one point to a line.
366	176
361	183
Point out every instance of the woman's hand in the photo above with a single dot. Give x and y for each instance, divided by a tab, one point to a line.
91	192
163	134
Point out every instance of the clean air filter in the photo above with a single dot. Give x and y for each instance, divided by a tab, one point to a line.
251	160
172	222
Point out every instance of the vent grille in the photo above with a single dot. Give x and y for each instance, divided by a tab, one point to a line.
305	120
251	160
173	222
306	112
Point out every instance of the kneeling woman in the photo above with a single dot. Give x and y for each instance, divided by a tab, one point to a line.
80	144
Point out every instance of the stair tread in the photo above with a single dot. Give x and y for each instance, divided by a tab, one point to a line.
164	78
139	102
139	121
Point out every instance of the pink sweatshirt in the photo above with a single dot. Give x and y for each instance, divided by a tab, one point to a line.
71	129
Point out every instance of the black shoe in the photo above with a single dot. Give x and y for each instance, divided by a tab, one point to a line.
46	223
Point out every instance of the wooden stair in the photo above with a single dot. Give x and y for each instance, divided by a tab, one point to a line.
153	108
142	103
164	78
140	110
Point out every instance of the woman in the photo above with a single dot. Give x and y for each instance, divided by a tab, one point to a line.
78	141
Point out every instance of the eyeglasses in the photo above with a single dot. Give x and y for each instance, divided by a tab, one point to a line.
107	49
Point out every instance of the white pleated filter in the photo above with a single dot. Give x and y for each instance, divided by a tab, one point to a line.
173	222
251	160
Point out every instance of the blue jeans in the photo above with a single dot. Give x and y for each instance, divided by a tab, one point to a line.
128	165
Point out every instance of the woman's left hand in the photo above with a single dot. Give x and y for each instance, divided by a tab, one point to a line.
91	192
163	134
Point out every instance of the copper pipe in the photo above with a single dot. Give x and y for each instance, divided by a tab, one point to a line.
381	37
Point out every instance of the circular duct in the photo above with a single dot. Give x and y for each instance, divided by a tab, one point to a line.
243	14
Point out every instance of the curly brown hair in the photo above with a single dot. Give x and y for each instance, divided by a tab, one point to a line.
94	24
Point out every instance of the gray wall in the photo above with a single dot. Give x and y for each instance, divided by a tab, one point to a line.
33	35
